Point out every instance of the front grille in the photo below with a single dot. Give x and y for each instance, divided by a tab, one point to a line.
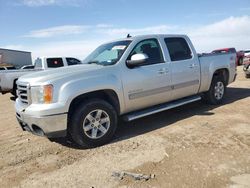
23	93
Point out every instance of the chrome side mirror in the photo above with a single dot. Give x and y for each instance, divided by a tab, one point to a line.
137	60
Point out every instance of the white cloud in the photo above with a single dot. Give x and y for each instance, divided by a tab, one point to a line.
57	31
138	31
37	3
231	32
40	3
104	29
79	49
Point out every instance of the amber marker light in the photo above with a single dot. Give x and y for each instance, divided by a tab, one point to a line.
48	94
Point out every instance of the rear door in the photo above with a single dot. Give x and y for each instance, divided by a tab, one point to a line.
184	66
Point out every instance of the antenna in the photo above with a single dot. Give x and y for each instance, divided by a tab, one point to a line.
128	36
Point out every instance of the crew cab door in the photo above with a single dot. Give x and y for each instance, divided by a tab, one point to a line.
150	83
185	67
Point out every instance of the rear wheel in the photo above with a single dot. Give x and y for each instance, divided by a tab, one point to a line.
93	123
217	90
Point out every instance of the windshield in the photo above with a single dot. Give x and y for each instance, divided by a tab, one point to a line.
108	54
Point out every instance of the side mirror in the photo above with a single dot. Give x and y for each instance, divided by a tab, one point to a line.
137	60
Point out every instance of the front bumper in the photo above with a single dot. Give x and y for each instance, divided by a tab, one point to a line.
54	125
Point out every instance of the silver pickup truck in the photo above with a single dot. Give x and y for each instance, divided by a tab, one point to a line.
129	78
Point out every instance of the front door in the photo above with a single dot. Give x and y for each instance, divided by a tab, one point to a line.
149	84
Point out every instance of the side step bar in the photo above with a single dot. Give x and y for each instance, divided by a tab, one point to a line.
159	108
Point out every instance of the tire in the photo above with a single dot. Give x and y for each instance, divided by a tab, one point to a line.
216	92
13	92
240	62
93	123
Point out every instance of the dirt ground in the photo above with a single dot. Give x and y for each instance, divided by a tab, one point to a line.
196	145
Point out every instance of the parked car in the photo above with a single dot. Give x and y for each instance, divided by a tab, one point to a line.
246	52
130	78
28	67
8	78
239	55
246	66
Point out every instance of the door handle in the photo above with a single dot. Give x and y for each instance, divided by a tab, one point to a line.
192	65
163	71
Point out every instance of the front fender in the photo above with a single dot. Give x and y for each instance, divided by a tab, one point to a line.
74	88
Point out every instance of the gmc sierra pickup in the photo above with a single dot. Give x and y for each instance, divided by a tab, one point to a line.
132	78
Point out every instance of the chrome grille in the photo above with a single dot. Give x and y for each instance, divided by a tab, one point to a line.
23	93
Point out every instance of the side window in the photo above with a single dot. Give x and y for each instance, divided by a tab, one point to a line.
11	68
54	62
232	50
178	49
150	47
72	61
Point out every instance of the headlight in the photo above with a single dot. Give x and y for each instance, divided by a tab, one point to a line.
42	94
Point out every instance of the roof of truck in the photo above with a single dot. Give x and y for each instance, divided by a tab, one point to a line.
155	35
138	37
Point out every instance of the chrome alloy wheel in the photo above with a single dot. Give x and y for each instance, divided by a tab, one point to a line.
96	124
219	90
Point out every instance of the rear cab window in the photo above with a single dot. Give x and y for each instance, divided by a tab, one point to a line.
178	49
232	50
73	61
54	62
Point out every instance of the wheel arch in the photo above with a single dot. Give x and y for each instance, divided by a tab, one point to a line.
108	95
224	72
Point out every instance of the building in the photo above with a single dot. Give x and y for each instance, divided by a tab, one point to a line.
14	58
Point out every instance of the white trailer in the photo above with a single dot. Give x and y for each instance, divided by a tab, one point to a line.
14	58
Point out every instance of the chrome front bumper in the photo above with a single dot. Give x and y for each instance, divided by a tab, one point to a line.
54	125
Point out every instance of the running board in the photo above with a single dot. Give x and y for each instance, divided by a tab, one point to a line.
159	108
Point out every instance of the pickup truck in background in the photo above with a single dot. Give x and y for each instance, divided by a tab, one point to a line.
129	78
8	78
239	54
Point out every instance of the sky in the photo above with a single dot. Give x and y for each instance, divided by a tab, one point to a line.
76	27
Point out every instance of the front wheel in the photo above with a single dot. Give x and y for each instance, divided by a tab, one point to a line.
217	91
13	92
93	123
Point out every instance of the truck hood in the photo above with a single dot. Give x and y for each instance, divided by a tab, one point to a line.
48	76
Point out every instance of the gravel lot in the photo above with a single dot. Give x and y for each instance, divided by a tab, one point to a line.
196	145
